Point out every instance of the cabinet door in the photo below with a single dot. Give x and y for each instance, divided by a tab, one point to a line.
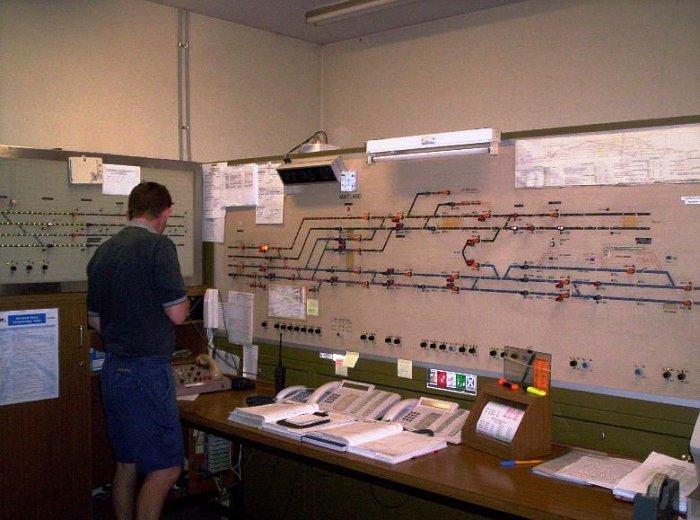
45	453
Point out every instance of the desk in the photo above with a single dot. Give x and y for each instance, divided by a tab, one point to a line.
459	473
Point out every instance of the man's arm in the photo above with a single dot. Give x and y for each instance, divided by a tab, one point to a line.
94	322
178	312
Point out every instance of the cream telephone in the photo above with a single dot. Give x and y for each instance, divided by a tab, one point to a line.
361	400
348	397
204	375
442	418
302	394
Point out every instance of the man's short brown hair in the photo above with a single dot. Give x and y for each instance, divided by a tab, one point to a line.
149	199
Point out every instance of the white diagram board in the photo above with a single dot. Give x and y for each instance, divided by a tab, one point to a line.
446	263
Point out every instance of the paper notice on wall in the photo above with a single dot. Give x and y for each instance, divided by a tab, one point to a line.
28	355
213	208
619	157
270	208
240	183
119	179
499	421
239	317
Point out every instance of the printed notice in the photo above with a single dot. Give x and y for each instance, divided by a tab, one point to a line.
270	208
641	156
213	207
286	301
240	183
499	421
239	317
119	179
28	355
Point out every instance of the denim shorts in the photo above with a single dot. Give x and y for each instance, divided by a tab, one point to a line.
143	424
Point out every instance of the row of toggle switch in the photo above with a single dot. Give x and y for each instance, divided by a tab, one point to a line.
293	327
28	267
448	347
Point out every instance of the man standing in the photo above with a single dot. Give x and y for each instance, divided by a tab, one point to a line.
135	295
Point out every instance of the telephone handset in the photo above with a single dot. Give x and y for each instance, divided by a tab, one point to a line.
206	361
293	394
204	375
302	394
443	418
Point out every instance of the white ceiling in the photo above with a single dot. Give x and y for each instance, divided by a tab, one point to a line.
286	17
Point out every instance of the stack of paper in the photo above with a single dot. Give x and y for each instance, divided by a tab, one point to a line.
587	467
352	434
638	480
296	426
399	447
258	415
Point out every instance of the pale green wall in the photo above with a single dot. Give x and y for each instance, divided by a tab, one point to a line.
102	75
528	65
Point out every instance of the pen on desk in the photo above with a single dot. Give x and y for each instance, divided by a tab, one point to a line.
511	463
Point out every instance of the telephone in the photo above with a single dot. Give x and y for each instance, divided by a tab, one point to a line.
442	418
349	397
293	394
357	399
206	361
213	310
302	394
204	375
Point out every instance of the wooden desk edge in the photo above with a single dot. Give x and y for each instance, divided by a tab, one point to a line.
547	501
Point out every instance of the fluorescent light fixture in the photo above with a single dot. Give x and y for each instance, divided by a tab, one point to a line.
447	144
311	170
349	9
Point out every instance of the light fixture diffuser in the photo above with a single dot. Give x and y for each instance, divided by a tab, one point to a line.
447	144
348	9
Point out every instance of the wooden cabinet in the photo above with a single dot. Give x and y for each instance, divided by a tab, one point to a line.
45	448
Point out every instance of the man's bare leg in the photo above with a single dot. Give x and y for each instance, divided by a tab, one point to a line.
154	491
124	491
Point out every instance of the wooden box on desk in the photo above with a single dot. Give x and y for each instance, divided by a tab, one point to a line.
533	438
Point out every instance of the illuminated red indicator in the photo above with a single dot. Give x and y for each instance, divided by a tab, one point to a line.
442	379
264	248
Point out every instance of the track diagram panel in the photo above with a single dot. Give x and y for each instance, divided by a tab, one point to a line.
446	263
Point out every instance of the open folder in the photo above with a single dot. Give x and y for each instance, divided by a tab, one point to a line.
257	416
399	447
297	426
638	480
340	437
